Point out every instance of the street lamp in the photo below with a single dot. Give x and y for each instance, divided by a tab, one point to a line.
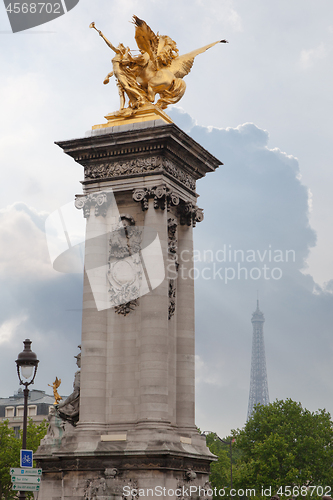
204	433
26	363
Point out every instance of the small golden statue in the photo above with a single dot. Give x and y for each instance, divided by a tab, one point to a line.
158	69
55	386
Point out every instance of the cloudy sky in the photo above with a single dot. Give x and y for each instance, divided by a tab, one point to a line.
263	105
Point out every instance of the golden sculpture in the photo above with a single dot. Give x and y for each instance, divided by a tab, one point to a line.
158	69
55	386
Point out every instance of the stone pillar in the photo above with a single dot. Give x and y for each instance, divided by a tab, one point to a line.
136	425
153	341
94	321
185	330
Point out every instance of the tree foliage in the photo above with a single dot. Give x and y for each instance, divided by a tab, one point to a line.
10	452
283	444
9	457
220	470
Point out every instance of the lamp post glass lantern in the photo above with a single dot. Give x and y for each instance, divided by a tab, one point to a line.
26	364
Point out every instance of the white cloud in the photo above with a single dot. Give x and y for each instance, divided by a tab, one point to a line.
206	373
309	57
23	249
214	11
8	328
24	96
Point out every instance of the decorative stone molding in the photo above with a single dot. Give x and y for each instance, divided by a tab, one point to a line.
138	166
172	298
163	196
141	195
172	238
191	480
123	168
110	486
125	309
190	475
127	220
95	489
111	473
125	269
125	240
179	174
173	259
190	214
100	201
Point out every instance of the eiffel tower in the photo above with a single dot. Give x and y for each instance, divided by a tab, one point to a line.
258	384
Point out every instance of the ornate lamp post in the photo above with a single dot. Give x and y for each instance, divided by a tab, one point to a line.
205	433
26	363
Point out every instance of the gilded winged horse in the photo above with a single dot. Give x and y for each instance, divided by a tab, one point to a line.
158	69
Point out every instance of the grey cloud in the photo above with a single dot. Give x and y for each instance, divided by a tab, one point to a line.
255	200
46	308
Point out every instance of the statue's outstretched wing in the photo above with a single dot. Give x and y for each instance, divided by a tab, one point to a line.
145	37
181	66
57	382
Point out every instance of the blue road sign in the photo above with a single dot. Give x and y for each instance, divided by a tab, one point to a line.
26	458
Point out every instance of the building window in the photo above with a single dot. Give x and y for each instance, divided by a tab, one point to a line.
19	411
17	431
9	412
32	411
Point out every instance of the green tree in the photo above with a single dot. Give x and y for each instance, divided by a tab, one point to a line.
10	452
9	457
220	476
220	470
283	444
35	432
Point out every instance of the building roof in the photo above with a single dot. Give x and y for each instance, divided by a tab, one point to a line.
35	397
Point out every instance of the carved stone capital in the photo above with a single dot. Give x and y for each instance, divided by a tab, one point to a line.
190	214
141	195
100	201
163	196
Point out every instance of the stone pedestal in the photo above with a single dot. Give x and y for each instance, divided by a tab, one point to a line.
136	429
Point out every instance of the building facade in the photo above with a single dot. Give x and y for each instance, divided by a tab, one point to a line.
12	408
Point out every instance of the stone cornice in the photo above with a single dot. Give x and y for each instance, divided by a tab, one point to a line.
168	141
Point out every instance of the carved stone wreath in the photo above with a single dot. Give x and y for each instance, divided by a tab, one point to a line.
125	268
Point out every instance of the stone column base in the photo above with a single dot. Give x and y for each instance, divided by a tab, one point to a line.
125	477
